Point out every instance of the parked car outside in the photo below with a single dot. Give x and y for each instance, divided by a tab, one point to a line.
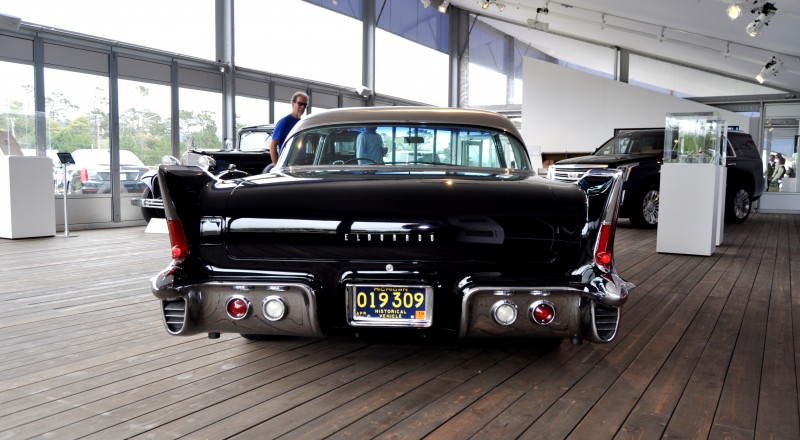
249	155
91	173
476	245
640	153
58	170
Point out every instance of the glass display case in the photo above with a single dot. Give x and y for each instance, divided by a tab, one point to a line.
694	138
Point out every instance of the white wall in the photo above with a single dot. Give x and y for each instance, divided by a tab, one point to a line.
564	110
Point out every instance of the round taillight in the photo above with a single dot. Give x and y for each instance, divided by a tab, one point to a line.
274	308
543	312
603	258
504	312
177	253
238	307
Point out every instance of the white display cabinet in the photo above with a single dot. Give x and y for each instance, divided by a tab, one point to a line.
693	179
26	197
690	208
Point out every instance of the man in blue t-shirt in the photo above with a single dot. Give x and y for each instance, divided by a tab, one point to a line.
285	125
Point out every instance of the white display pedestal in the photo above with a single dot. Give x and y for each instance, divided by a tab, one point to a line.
691	208
26	197
157	226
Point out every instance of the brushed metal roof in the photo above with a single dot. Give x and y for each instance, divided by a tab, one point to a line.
408	114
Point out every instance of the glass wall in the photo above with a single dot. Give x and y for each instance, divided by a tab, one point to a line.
411	52
486	86
201	119
76	108
282	109
299	39
144	120
406	69
487	66
781	138
16	104
491	62
251	111
179	26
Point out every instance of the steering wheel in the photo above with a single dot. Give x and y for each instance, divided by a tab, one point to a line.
356	159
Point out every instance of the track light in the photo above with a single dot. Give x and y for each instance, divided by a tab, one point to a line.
538	25
425	3
486	3
735	11
772	68
443	6
764	16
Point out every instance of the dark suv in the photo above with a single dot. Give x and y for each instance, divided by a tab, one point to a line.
639	154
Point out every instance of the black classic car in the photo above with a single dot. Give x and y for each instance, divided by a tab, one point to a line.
639	155
449	232
249	155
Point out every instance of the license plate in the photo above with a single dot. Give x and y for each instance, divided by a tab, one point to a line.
390	306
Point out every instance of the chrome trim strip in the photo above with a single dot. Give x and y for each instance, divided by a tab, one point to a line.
282	225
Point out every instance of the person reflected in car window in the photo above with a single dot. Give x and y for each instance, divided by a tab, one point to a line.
369	147
285	125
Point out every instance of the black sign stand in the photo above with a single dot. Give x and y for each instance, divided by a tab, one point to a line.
66	159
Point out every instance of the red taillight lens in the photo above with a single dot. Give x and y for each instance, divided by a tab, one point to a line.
84	175
180	247
543	312
603	254
238	307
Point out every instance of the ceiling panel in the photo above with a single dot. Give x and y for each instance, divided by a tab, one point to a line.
691	32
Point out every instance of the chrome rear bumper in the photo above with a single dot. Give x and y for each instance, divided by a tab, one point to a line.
591	312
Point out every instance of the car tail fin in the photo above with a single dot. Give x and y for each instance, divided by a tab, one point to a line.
604	193
181	187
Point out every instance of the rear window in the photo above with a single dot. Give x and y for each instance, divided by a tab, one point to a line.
631	143
743	146
255	140
398	144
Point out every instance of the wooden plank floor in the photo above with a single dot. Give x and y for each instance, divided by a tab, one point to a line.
709	347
